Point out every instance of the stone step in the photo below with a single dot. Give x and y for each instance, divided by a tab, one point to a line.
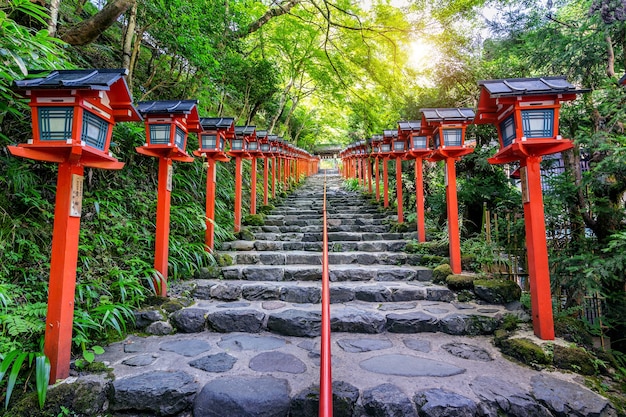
332	222
383	228
315	258
316	215
295	319
336	246
363	273
310	292
332	236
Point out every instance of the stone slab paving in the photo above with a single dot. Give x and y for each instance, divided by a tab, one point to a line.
241	374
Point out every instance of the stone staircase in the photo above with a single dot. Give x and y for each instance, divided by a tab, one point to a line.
274	281
247	341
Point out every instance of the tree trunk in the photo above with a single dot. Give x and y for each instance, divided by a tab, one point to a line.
127	50
282	9
610	60
281	106
88	30
54	17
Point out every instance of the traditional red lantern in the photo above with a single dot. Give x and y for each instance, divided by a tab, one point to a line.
212	146
417	149
73	114
375	142
447	129
239	150
167	126
525	112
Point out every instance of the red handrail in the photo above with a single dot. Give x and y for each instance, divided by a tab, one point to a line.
326	388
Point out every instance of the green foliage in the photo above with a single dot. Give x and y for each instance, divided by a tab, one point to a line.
524	350
481	255
18	362
253	220
351	184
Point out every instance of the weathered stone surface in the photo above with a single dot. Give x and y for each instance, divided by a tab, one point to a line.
220	362
159	328
354	320
189	320
134	346
272	258
226	292
144	318
387	400
225	321
239	342
250	258
364	344
295	323
267	245
497	291
439	294
312	273
302	295
306	402
341	294
186	347
255	292
243	396
159	392
500	397
417	344
242	245
405	365
373	293
407	294
467	351
438	402
277	362
414	322
397	306
461	324
273	305
351	274
252	273
395	274
436	310
236	304
140	360
568	399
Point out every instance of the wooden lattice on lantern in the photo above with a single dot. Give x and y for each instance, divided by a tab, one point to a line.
167	126
73	114
525	112
446	128
386	146
213	136
417	144
239	143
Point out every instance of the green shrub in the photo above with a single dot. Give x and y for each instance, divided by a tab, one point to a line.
253	220
266	209
524	350
441	273
460	282
574	359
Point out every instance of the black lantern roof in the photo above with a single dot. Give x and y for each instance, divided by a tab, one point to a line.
410	126
167	106
212	123
390	134
376	138
261	134
93	79
448	115
529	86
244	130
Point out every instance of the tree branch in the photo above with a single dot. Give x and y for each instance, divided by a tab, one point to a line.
88	30
282	9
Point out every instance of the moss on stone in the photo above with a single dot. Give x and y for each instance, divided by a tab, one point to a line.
245	234
497	291
224	259
441	273
209	272
574	359
172	306
509	322
500	335
525	351
266	209
397	227
460	282
253	220
465	295
573	330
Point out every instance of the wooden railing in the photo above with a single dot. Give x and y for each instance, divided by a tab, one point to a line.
326	388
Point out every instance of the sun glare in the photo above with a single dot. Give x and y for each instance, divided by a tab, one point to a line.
421	54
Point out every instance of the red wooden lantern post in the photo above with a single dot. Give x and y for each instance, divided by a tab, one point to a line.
73	114
399	148
264	147
239	151
526	115
385	151
447	127
417	149
212	146
375	142
254	150
275	152
167	126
